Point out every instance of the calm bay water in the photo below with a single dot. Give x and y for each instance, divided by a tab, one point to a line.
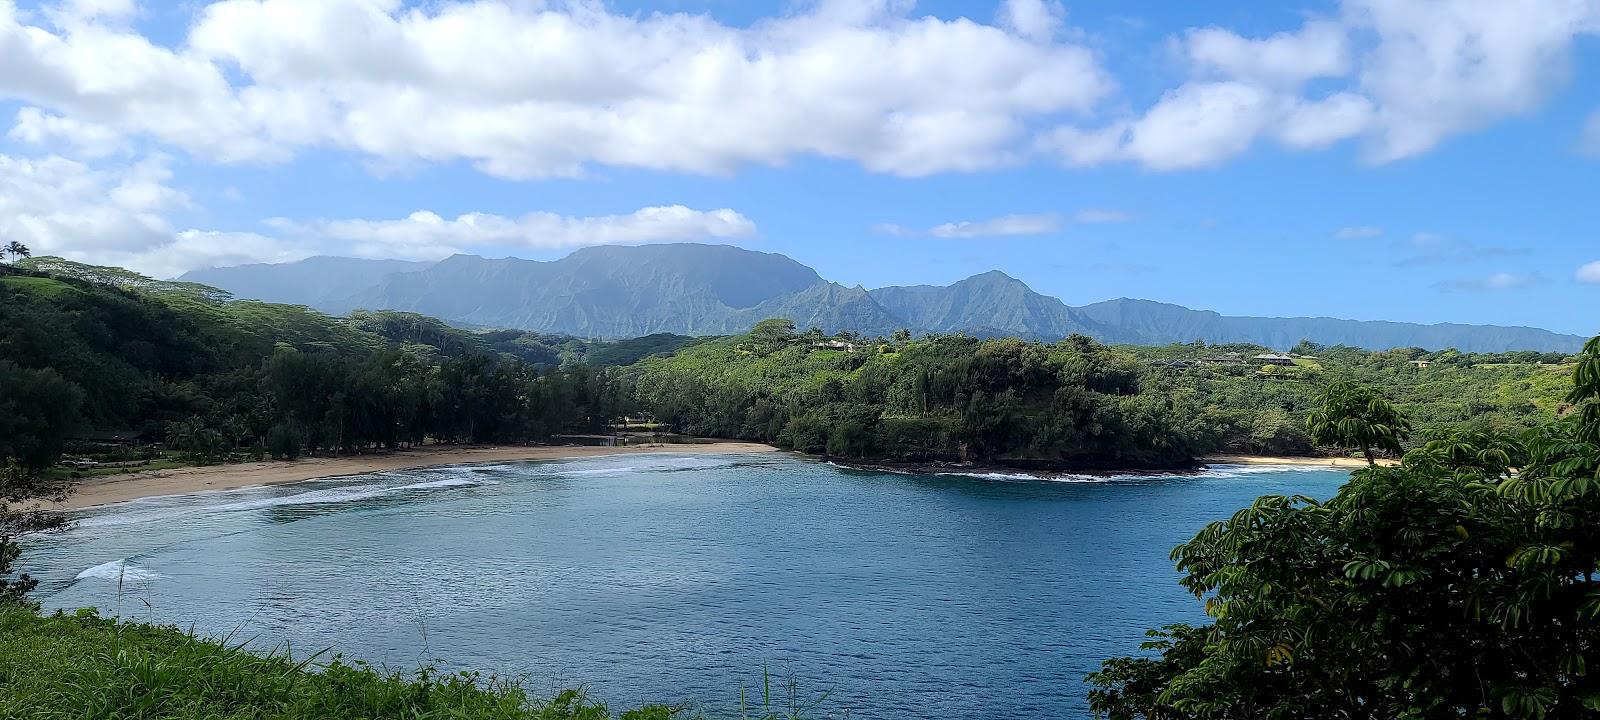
675	577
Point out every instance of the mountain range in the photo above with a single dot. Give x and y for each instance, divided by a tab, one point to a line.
694	289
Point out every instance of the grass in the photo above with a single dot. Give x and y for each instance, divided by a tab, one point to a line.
84	666
47	287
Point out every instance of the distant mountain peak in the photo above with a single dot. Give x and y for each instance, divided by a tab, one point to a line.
618	291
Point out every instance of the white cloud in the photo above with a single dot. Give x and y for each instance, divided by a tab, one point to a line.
1006	225
1590	273
1100	215
1589	141
117	216
541	88
529	89
1318	124
1037	20
1444	68
426	235
1319	49
1199	125
1358	232
86	139
1491	283
1400	75
123	216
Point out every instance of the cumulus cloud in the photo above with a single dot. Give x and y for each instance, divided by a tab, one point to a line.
1590	273
1428	248
1443	68
558	88
1093	216
1492	282
1401	76
526	90
116	216
122	216
426	235
1589	142
1289	59
1359	232
1038	20
1005	225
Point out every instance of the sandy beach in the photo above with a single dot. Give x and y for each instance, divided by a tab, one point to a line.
1339	462
133	486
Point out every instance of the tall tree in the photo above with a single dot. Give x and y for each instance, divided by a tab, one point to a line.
23	495
1352	415
1446	587
16	249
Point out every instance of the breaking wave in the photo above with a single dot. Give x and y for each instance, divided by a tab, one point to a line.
118	570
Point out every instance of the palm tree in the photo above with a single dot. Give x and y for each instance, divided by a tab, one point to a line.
1352	415
16	250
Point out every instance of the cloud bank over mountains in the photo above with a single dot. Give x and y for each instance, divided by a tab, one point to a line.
531	90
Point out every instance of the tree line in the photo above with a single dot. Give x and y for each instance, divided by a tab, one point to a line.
1459	583
214	379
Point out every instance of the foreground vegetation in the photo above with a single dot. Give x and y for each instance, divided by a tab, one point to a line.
1460	583
85	666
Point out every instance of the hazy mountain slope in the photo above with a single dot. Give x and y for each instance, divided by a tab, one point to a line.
321	282
1148	322
691	289
992	303
829	306
609	292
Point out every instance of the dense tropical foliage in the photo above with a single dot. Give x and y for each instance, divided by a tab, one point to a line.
1075	403
1460	583
86	349
92	351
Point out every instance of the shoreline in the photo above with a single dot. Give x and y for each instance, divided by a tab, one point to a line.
1332	462
1044	471
113	489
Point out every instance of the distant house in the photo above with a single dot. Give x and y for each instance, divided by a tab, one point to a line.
1421	363
1228	359
1275	359
844	345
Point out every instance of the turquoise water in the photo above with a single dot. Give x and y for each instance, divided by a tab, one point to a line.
675	577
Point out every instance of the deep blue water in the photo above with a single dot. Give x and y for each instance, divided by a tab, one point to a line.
679	578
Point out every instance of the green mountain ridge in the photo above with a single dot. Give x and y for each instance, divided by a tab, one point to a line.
693	289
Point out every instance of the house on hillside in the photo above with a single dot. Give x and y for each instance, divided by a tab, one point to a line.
1275	359
844	345
1419	364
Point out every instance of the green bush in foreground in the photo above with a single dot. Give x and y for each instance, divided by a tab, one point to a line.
89	667
1462	583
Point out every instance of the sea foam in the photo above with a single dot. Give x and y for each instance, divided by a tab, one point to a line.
118	570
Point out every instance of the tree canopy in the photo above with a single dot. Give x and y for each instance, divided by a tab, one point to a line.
1459	583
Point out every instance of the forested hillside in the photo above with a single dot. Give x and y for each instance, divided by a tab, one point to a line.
87	352
1072	404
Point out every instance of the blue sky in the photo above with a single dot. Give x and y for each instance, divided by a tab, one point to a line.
1418	160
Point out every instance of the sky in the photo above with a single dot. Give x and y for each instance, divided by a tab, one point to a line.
1415	160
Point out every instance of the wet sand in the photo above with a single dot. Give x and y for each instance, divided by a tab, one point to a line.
180	481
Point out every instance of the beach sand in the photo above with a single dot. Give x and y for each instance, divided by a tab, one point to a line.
1337	462
122	488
